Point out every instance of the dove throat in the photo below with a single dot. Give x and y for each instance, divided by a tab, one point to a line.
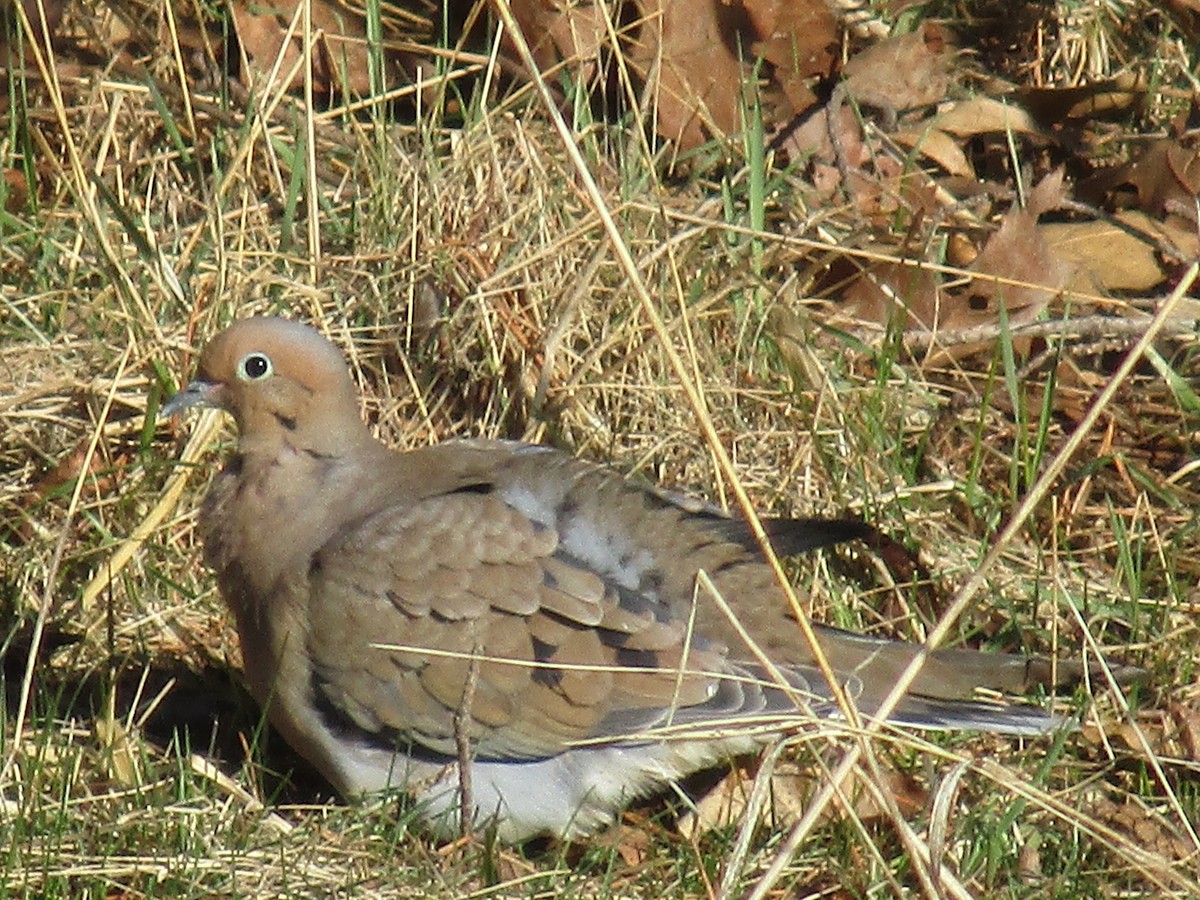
261	519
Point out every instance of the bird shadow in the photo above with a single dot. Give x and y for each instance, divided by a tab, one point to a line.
176	706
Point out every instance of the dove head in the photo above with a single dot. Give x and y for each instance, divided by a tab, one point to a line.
281	381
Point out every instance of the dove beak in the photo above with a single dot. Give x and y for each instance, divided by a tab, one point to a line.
198	393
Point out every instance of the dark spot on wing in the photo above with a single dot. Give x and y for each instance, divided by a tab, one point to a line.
550	678
543	652
567	510
478	487
612	638
641	603
726	566
336	719
384	738
639	659
651	583
632	601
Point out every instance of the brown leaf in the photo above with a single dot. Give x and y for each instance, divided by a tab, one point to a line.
894	291
917	298
34	9
1187	721
559	30
812	139
902	72
16	190
1054	105
271	35
1018	251
799	43
1149	828
788	797
1186	14
69	468
1163	180
698	93
699	54
938	146
1107	257
631	842
896	74
985	115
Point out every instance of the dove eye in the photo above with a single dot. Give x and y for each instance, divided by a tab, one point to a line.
254	367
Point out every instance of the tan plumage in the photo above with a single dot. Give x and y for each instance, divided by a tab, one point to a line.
364	580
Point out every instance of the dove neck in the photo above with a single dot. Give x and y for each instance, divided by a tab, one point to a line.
287	480
272	433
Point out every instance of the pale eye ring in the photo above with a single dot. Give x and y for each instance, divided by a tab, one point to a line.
254	367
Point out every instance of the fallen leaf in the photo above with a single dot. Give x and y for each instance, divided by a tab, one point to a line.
1018	252
901	72
986	115
939	146
1164	180
695	55
799	43
919	300
790	790
1121	255
572	33
1054	105
102	477
271	35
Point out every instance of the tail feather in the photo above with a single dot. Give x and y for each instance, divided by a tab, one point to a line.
953	673
748	704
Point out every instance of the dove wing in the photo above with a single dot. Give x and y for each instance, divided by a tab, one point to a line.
416	602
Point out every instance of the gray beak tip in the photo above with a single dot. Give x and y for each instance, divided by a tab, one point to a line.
198	393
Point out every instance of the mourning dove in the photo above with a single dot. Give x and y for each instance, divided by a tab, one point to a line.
545	604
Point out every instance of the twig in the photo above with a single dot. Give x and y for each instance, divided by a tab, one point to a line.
462	743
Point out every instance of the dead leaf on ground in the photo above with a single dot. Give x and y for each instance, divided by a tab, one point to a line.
1058	104
570	33
1017	253
902	72
1164	181
899	73
631	842
696	55
799	43
1148	828
271	36
34	11
1186	14
102	476
938	146
986	115
1122	255
792	786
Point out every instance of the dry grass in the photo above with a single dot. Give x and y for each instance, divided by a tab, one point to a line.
467	273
